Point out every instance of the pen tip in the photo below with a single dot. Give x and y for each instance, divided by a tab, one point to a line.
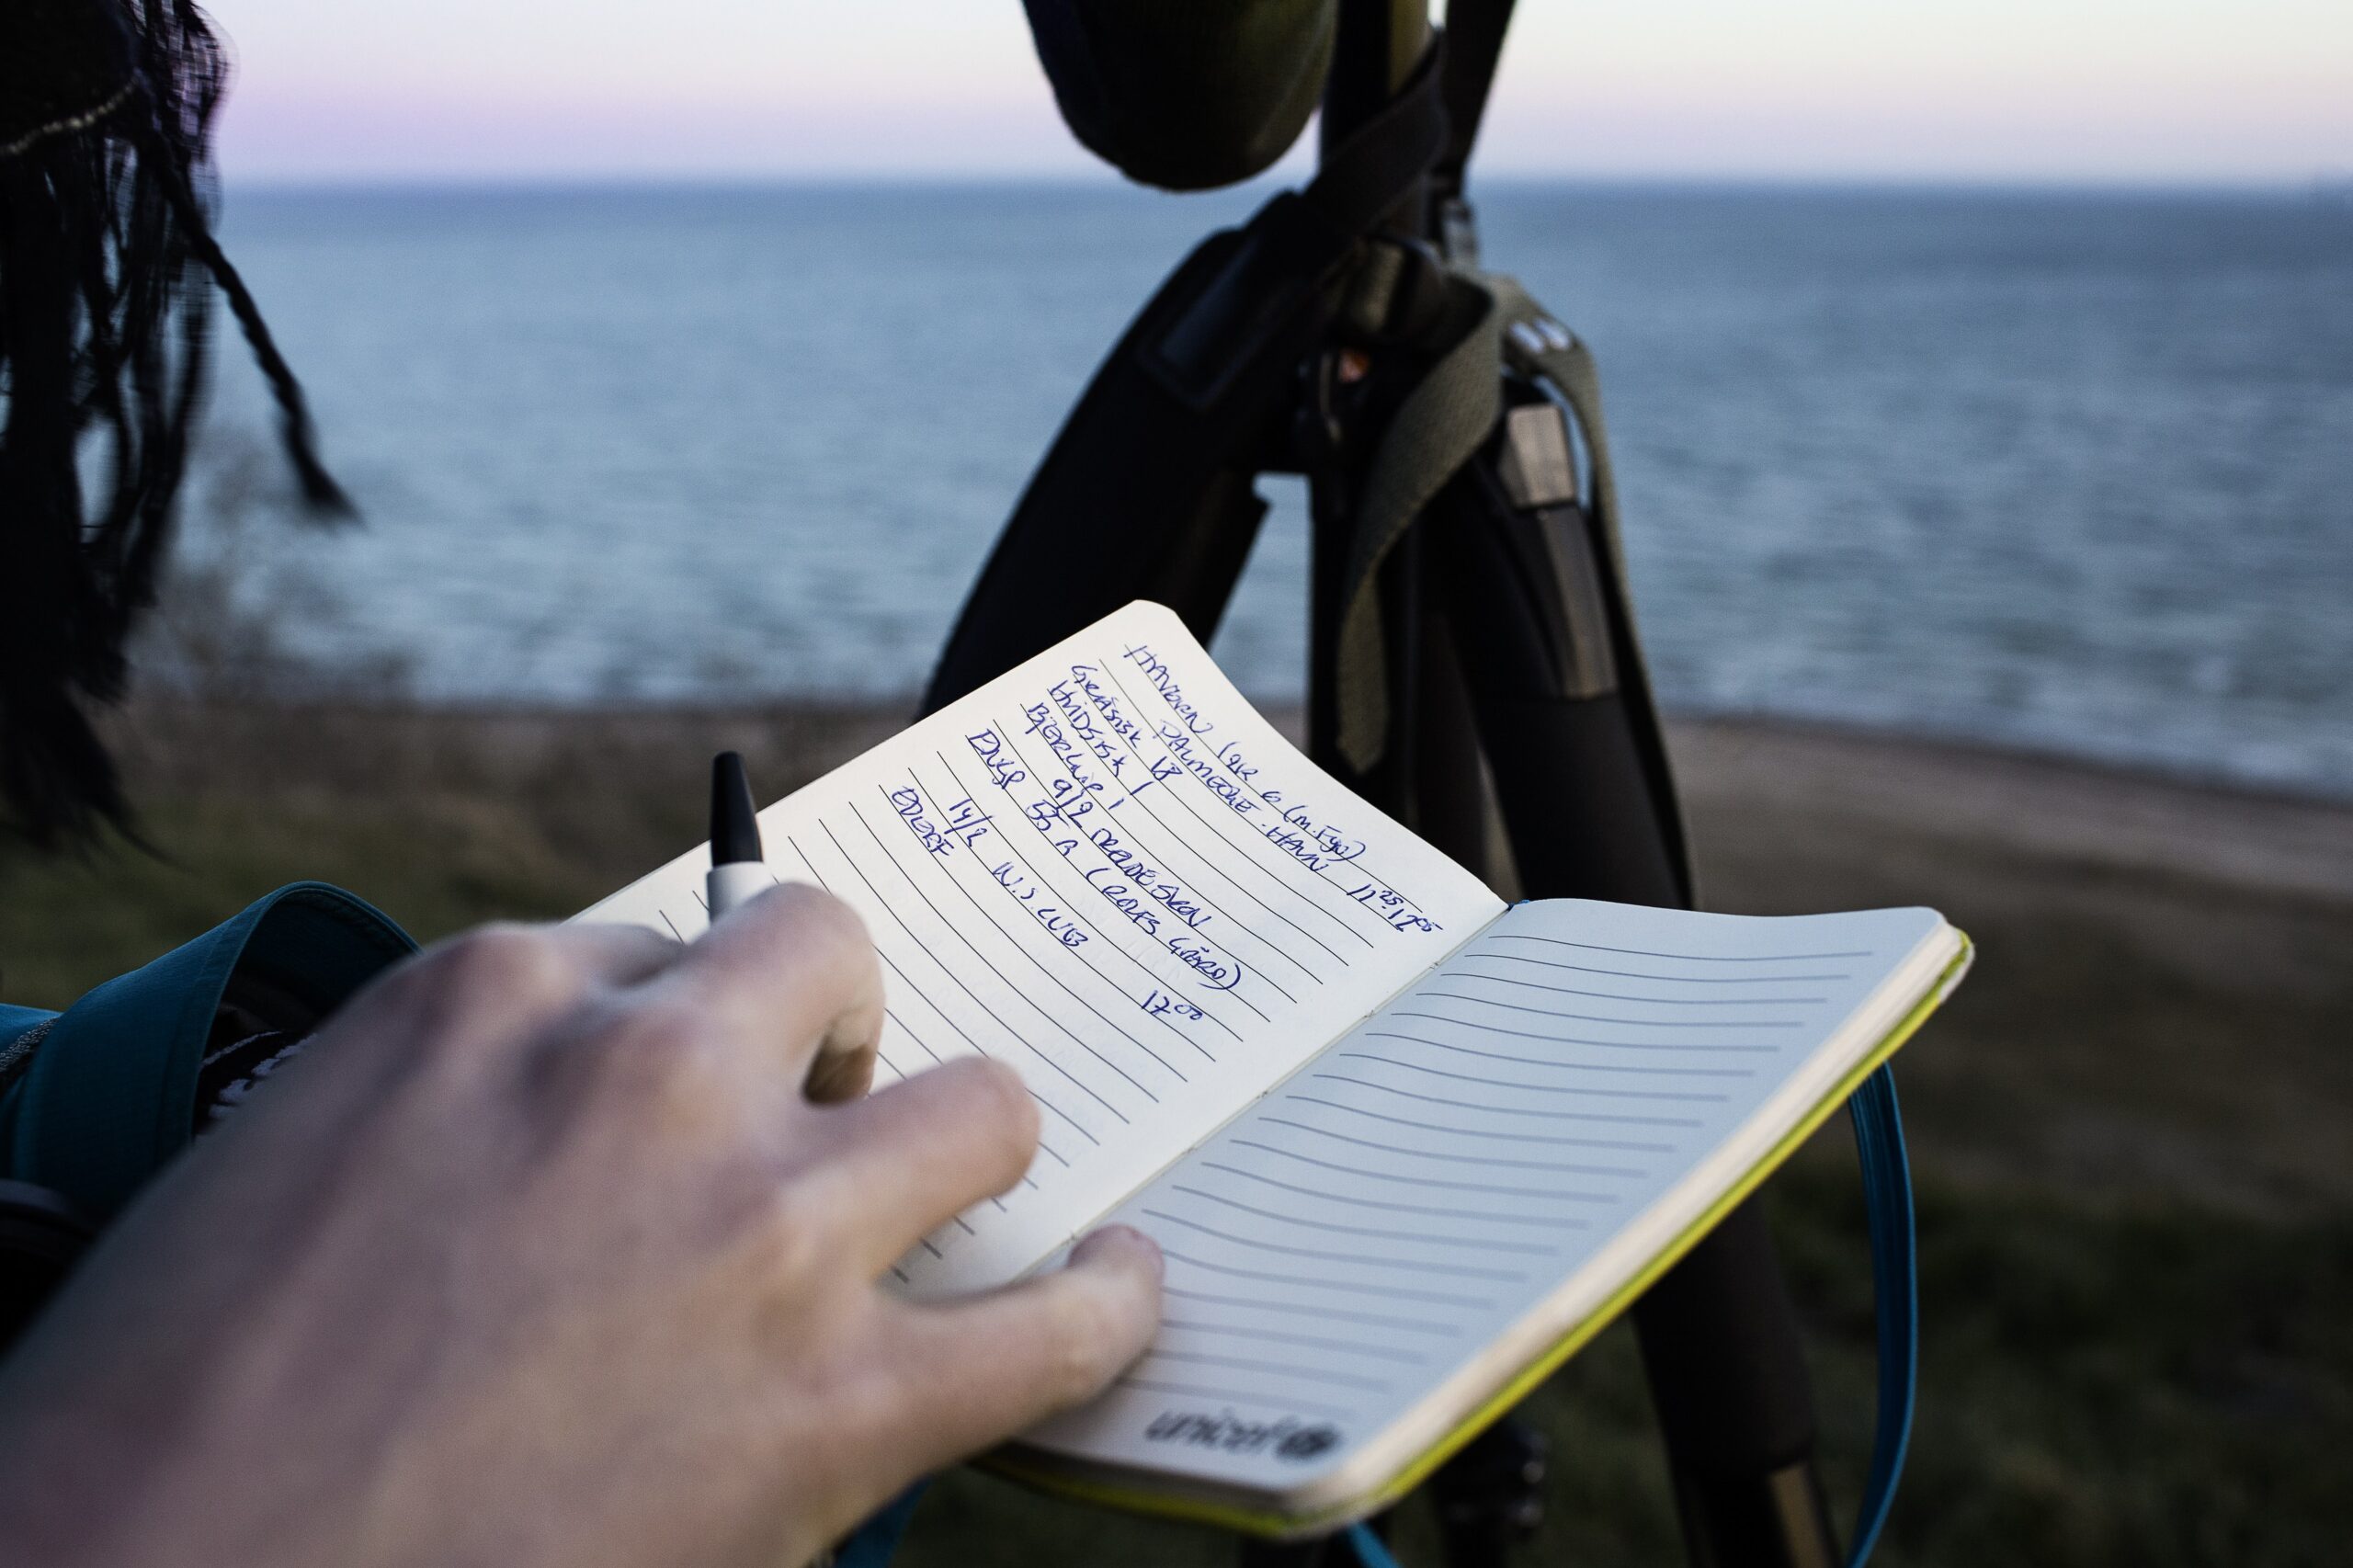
734	821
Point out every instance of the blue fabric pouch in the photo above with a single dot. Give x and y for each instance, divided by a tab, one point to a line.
97	1098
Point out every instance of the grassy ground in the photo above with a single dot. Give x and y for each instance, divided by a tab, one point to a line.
2130	1128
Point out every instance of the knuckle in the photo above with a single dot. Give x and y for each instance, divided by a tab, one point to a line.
662	1025
658	1055
868	1397
1090	1337
779	1230
521	964
829	928
1003	1110
839	920
798	1221
473	991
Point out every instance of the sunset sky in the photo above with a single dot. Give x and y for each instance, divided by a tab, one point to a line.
2225	91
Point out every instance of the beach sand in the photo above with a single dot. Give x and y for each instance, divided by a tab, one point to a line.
2132	1128
2164	1000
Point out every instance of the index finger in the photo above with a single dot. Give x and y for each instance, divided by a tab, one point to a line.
908	1158
792	974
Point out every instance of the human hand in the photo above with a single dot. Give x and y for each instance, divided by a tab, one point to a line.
540	1254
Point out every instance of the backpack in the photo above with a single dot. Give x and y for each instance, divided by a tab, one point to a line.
95	1099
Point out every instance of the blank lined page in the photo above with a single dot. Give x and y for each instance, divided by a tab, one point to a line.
1105	869
1502	1145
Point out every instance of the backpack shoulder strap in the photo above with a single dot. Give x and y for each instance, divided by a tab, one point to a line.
103	1093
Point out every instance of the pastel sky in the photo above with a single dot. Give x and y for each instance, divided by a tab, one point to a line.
2059	90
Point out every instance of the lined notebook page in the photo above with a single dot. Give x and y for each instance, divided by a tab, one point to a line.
1547	1109
1105	869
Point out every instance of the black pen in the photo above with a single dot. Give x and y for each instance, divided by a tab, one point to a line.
737	870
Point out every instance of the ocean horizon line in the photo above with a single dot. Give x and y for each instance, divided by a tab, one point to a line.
2322	186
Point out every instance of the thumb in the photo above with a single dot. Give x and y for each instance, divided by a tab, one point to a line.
994	1365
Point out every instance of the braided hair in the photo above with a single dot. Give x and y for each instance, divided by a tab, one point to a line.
108	266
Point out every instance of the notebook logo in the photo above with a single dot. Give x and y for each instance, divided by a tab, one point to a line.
1306	1442
1285	1439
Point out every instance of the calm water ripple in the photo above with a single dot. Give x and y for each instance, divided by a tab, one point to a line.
2066	470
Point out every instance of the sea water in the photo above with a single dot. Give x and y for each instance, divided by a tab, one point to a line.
2070	470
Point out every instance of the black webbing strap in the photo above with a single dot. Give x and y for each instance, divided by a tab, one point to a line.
1365	175
1474	46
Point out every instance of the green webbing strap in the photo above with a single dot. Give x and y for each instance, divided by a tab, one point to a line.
1434	432
1437	427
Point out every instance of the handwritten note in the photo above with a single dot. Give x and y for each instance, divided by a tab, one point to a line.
1107	870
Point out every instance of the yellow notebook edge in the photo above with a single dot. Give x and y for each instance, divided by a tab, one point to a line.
1015	1464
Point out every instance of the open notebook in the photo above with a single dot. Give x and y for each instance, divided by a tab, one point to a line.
1404	1148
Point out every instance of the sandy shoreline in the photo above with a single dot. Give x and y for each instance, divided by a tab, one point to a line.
2163	995
2090	813
1739	777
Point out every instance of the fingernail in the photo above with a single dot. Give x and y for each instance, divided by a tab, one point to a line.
1133	1237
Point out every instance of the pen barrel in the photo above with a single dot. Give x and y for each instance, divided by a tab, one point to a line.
737	881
